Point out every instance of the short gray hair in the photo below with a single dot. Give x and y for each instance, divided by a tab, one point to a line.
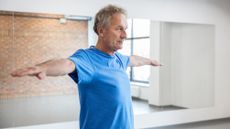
104	15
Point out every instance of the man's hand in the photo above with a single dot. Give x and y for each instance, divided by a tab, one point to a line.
155	63
140	61
36	71
55	67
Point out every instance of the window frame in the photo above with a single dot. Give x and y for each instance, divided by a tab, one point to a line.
131	39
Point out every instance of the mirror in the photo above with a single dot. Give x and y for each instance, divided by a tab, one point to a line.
186	80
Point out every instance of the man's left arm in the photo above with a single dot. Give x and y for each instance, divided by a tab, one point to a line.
140	61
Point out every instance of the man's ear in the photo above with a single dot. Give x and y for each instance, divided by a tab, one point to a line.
100	31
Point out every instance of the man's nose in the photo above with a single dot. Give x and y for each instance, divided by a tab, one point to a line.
123	35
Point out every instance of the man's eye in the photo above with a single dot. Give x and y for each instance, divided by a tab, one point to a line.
120	29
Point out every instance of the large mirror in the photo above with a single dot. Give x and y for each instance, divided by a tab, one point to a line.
186	79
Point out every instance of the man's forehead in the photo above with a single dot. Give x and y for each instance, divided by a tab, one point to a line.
119	18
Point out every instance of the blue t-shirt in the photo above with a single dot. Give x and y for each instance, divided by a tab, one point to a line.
104	89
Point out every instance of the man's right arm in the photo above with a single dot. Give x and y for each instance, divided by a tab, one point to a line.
54	67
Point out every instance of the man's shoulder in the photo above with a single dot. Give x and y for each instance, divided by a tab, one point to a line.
83	51
86	50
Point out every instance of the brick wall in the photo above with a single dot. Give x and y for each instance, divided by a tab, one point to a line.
30	38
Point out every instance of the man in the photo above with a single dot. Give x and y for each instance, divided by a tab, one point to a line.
99	71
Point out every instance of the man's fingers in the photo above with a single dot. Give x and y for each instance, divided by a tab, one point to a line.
29	71
156	63
17	73
26	71
159	64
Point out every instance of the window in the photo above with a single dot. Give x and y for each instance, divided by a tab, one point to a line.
138	43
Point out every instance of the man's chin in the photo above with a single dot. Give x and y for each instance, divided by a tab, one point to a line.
118	48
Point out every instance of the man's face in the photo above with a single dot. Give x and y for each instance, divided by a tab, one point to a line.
114	34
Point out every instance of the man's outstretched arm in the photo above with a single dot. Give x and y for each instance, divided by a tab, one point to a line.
54	67
140	61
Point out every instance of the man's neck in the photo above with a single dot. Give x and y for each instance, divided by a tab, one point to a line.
103	48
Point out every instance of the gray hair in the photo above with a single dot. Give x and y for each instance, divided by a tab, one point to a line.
103	16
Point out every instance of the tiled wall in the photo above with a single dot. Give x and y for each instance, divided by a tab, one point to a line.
29	38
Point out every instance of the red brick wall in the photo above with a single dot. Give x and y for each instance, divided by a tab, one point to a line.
29	38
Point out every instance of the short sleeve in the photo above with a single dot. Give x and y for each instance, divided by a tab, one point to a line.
83	68
124	59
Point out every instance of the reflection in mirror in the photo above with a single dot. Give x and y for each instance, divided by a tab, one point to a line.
187	78
27	39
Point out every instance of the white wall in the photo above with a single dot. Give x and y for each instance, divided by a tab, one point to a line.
192	65
194	11
187	78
